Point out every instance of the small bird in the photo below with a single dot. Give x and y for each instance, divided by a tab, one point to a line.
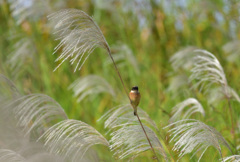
135	97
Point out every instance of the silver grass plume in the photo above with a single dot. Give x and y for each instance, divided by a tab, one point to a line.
215	94
233	50
122	55
91	85
23	10
32	9
192	136
179	85
79	35
233	158
37	112
7	89
193	107
127	137
23	51
15	144
183	59
208	71
71	139
7	155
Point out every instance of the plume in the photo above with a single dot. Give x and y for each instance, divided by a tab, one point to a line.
23	51
91	85
37	112
79	35
179	85
32	9
183	59
29	126
192	136
71	139
7	89
15	144
22	10
10	156
233	50
233	158
208	71
215	94
127	137
122	55
193	107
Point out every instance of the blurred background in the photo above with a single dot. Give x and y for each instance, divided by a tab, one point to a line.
143	36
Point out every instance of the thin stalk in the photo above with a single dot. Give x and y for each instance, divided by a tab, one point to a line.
125	89
147	137
231	116
221	155
119	75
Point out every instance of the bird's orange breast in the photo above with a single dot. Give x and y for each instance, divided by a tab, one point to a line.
135	97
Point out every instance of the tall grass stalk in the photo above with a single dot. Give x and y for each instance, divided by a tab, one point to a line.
232	121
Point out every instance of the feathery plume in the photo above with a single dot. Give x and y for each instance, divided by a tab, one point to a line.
37	112
122	115
179	85
91	85
192	135
207	70
193	107
79	35
127	137
71	139
233	50
10	156
183	59
32	9
8	89
233	158
23	10
122	55
23	51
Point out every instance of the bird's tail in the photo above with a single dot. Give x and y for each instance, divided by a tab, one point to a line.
135	112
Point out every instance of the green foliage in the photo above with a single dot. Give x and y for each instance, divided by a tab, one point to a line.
143	39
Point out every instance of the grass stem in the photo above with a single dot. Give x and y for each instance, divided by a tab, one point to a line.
232	122
147	137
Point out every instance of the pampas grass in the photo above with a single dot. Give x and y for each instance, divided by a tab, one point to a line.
127	138
193	107
35	127
89	86
79	36
192	136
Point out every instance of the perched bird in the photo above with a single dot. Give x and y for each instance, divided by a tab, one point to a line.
135	97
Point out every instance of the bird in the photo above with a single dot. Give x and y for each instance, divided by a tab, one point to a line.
135	97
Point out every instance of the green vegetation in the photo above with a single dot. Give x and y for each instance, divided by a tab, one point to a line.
155	45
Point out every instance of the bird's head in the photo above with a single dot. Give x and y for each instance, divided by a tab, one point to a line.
135	88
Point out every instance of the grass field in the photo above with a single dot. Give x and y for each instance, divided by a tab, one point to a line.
161	46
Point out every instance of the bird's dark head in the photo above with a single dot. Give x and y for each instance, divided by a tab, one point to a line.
135	88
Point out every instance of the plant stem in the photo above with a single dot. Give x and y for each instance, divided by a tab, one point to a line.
231	116
147	137
125	89
119	75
